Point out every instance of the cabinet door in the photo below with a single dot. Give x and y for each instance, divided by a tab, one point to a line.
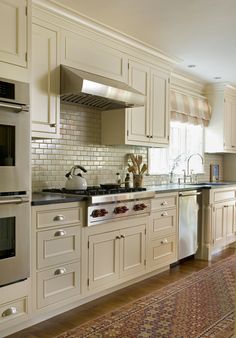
83	52
219	221
13	32
230	223
138	118
132	250
45	82
159	106
103	259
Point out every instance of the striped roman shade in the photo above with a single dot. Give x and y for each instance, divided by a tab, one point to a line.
191	109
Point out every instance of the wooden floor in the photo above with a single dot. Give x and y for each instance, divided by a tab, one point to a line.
68	320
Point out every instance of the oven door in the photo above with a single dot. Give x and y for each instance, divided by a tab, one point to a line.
14	240
14	148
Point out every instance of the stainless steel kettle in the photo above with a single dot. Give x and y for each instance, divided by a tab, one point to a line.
76	181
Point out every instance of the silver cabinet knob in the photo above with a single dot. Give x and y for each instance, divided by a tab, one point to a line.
10	311
60	233
60	271
164	214
59	218
164	203
164	241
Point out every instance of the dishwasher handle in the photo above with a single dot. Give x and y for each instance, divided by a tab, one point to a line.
190	194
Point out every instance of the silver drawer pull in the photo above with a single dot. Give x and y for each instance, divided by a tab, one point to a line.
60	233
59	218
60	271
164	241
164	213
164	203
10	311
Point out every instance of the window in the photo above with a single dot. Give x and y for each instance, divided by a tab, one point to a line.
185	140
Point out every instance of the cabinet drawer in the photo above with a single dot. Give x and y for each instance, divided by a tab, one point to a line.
58	246
58	217
58	283
162	251
223	195
13	310
163	202
163	222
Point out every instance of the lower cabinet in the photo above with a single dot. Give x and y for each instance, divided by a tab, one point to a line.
15	306
56	253
117	255
219	219
224	224
162	244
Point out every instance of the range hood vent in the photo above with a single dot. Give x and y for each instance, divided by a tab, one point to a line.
97	92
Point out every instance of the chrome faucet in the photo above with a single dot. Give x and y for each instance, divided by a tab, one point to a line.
188	160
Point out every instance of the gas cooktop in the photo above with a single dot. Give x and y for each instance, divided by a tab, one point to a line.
96	190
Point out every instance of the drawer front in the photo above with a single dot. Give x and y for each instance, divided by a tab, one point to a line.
13	310
58	246
58	283
163	223
165	201
223	195
162	252
58	217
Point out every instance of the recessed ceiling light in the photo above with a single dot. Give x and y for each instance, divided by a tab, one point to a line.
217	78
192	66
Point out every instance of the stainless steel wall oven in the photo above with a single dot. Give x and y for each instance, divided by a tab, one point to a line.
14	181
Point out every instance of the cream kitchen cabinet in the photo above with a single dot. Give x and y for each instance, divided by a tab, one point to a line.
45	80
118	255
163	231
15	306
14	32
218	219
220	135
90	53
148	125
56	253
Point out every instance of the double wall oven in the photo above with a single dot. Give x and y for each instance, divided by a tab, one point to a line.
14	181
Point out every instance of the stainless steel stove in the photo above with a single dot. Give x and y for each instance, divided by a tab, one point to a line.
104	205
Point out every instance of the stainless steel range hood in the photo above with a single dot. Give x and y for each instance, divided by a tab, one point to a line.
97	92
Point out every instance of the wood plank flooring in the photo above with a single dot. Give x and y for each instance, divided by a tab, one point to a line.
70	319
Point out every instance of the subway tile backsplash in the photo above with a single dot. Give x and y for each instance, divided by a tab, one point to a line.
79	143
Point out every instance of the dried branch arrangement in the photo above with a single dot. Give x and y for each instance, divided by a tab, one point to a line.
137	168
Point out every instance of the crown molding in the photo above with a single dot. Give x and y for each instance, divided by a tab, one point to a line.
65	12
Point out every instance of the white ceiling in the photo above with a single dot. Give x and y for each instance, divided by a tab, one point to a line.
199	32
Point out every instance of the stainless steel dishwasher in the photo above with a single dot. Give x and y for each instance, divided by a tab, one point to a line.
188	223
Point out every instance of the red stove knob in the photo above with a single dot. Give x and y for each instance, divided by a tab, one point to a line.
99	213
136	207
121	210
140	206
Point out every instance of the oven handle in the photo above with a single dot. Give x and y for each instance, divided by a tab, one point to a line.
16	107
14	201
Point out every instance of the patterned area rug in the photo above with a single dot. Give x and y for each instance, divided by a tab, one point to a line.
201	305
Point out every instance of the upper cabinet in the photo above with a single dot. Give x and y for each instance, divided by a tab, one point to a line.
147	125
93	55
45	80
13	32
220	135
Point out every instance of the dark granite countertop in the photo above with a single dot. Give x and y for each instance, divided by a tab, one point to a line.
44	198
185	187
